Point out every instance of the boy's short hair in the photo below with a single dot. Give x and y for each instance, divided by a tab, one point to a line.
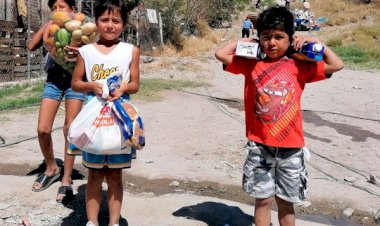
276	18
70	3
109	5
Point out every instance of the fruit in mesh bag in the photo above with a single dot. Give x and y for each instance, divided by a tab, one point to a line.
60	18
79	16
63	37
53	28
68	29
73	25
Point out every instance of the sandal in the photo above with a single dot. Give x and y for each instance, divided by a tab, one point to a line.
67	193
46	181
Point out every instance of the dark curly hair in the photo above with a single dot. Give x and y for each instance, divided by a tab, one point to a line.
276	18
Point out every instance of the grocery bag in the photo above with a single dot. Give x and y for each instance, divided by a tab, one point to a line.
95	130
131	123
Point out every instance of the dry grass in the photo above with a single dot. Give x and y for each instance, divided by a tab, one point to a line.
194	46
353	29
342	12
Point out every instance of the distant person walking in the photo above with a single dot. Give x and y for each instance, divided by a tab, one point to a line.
287	4
258	4
246	27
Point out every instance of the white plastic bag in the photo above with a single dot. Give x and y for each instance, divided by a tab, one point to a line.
95	129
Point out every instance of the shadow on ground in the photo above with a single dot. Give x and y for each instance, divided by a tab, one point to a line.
214	213
78	216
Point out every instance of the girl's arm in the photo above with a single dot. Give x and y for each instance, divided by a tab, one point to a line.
36	41
78	84
333	63
134	82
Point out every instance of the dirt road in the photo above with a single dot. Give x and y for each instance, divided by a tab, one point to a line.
190	171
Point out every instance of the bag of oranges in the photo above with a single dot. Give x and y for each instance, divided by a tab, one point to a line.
68	29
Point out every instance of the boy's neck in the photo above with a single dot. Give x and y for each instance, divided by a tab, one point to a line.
272	60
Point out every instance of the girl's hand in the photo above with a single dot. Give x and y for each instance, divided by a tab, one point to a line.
71	51
115	94
97	88
299	40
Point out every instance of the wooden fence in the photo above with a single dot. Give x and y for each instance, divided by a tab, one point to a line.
16	62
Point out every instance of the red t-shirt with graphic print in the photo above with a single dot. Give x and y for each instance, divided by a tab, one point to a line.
272	98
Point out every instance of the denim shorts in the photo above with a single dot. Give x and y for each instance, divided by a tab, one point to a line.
51	91
272	171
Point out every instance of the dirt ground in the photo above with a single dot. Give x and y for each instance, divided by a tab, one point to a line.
190	171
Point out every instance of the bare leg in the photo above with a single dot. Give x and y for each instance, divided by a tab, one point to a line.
115	194
73	107
263	211
286	215
48	111
94	194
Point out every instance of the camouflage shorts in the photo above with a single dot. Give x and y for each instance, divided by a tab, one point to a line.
271	171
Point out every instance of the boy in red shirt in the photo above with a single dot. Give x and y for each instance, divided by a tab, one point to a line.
274	168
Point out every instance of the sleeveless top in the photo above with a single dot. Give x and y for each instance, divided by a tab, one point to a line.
99	66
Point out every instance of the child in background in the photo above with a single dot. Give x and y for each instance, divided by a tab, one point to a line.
56	88
274	169
95	60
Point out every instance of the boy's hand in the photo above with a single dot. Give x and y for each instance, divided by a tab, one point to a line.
299	40
248	40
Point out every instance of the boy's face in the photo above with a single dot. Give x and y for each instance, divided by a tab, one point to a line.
274	43
61	5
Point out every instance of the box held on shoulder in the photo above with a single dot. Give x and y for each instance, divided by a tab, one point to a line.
250	50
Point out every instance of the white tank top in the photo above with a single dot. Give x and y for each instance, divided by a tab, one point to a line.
99	66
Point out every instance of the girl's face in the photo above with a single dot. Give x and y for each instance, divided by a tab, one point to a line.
274	43
61	5
110	25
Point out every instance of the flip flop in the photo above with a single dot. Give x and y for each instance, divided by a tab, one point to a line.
46	181
67	191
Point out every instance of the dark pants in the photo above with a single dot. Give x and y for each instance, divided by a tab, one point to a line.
245	32
287	5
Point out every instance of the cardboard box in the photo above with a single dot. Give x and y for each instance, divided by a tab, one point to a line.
250	50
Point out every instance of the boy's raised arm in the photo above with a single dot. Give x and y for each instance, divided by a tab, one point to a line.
225	53
333	63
